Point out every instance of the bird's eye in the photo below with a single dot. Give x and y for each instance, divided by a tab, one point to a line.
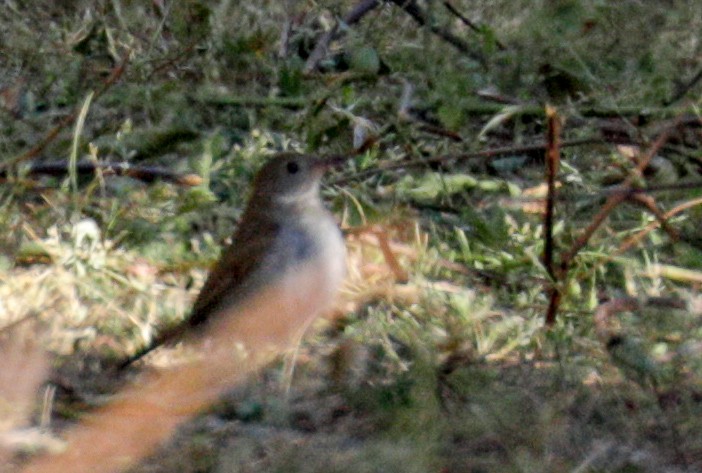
293	167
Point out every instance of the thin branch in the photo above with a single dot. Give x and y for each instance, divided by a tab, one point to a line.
421	18
651	189
469	23
67	120
439	131
220	99
579	196
684	89
485	154
553	157
607	310
533	109
633	240
320	50
171	62
611	203
142	173
649	203
614	200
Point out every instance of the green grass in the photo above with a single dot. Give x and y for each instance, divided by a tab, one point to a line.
452	371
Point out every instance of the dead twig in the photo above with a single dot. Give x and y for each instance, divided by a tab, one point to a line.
527	199
614	200
381	235
684	89
606	311
68	119
142	173
421	18
649	203
442	132
320	50
633	240
486	154
171	62
652	189
470	24
553	157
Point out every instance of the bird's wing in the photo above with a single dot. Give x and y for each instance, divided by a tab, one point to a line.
224	287
228	280
243	266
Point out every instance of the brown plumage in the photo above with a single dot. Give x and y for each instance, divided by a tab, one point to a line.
284	227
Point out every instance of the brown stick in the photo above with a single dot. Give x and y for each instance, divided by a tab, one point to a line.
649	203
488	153
630	193
651	189
142	173
469	23
553	157
607	310
614	200
384	245
420	17
634	239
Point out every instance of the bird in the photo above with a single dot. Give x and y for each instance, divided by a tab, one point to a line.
286	238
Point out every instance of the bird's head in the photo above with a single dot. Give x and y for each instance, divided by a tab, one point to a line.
290	178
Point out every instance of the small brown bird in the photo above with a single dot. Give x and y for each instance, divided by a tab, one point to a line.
286	240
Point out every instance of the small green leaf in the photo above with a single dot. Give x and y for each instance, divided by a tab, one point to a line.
364	59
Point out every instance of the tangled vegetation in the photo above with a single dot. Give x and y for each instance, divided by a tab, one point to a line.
521	206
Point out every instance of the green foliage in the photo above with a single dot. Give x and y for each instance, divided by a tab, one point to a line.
290	79
364	60
429	187
459	376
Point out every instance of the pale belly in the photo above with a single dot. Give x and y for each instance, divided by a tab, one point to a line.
283	308
315	284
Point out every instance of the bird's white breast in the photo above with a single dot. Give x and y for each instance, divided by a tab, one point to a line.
333	249
312	285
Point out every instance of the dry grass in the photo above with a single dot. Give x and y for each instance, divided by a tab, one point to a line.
436	358
24	370
148	410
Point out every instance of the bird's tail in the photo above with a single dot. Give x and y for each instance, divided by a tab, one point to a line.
129	361
168	336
